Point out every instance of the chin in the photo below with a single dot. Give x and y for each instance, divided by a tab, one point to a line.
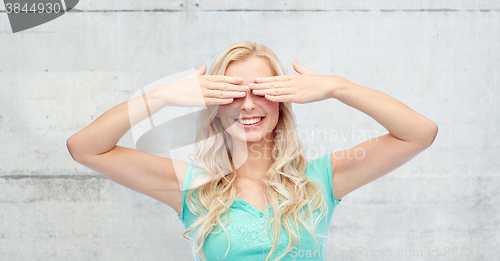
249	137
254	139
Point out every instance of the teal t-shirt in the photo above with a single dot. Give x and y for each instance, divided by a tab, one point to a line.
247	226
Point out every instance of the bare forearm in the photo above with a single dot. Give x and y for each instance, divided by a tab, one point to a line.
401	121
103	134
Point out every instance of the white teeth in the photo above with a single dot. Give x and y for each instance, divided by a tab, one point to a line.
249	122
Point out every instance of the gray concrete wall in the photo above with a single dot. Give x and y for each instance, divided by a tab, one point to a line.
441	58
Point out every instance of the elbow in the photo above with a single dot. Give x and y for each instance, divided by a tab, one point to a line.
429	134
72	147
424	135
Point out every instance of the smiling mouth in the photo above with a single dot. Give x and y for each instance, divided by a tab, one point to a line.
248	122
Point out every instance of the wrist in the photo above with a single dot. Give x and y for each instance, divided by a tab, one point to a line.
159	96
336	85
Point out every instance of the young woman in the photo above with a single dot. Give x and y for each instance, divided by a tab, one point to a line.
250	193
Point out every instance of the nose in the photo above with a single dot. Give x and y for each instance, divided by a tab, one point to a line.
248	101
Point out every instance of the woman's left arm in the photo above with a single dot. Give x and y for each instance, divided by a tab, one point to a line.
409	132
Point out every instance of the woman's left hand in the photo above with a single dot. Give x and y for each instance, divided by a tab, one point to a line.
306	87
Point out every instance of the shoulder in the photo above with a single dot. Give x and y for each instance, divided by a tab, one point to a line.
189	182
320	169
192	172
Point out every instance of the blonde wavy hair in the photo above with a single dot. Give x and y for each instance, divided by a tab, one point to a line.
289	190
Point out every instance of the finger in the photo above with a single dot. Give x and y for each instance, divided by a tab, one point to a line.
226	86
202	70
268	85
216	101
299	68
282	78
222	78
280	98
274	91
220	94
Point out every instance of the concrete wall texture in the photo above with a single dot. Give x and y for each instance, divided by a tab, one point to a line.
441	58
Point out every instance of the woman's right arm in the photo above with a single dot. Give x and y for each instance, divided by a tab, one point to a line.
154	176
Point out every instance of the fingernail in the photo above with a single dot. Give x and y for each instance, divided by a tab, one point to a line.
257	79
243	93
240	79
246	88
251	85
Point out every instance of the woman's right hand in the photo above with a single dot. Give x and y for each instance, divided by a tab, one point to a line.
199	89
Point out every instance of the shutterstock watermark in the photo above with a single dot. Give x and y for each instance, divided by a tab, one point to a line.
334	135
259	151
26	14
317	136
364	252
322	135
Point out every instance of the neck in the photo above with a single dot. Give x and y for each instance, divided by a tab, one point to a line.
252	159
